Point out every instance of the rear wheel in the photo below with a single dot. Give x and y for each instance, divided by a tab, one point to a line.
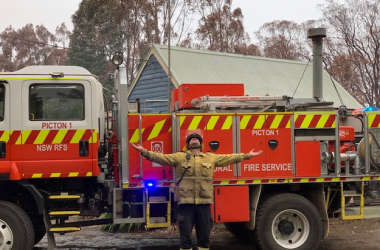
16	229
287	221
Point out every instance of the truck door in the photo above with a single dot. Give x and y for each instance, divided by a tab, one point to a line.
218	137
271	133
155	131
5	151
57	133
252	136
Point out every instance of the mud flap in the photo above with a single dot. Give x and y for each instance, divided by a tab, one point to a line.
49	234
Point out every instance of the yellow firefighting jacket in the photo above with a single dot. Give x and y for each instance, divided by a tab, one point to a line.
196	185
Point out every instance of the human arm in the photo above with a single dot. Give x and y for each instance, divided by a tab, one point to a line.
227	159
138	147
252	153
163	159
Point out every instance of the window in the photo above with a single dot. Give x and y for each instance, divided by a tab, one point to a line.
2	99
49	102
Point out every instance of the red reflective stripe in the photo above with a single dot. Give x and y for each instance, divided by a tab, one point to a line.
330	121
284	121
299	121
69	135
375	122
32	136
252	121
268	121
14	136
87	135
314	121
131	132
146	133
186	123
202	123
165	128
220	122
50	137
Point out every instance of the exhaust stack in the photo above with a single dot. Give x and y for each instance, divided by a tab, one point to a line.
317	35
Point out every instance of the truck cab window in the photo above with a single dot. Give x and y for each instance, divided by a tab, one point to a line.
49	102
2	97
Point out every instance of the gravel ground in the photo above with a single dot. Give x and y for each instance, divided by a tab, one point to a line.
354	234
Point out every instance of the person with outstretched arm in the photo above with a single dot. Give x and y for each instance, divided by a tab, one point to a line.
193	185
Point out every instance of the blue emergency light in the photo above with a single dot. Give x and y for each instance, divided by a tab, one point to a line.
369	109
149	183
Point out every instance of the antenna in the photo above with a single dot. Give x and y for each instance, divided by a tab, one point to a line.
169	73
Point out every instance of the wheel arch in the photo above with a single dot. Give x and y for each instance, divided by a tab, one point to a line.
39	199
254	197
317	198
28	197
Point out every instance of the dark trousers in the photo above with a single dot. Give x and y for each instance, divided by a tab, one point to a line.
198	215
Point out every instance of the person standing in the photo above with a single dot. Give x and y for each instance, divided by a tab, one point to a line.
193	186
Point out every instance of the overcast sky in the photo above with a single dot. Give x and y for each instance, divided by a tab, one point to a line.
52	13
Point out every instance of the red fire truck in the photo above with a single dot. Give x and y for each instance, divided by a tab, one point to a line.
59	157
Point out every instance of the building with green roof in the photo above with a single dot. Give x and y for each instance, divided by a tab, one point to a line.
261	76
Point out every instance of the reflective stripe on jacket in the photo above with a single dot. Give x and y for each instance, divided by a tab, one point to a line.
196	186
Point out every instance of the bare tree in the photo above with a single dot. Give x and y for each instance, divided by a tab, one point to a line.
156	18
354	47
284	39
142	23
221	28
130	27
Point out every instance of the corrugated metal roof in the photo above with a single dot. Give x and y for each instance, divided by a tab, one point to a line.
261	76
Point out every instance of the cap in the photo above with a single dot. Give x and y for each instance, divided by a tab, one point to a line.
194	135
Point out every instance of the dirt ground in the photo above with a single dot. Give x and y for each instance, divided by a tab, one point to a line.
354	234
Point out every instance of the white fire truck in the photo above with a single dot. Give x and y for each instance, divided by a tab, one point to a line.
58	158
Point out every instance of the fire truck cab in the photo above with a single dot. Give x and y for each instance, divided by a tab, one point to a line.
50	118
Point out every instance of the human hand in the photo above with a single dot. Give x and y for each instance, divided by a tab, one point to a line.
254	154
138	147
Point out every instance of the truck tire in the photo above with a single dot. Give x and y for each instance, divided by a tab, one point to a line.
287	221
16	229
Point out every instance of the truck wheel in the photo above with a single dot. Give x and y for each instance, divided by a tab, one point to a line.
287	221
16	229
239	231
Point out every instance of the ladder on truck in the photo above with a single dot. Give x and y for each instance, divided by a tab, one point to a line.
350	194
